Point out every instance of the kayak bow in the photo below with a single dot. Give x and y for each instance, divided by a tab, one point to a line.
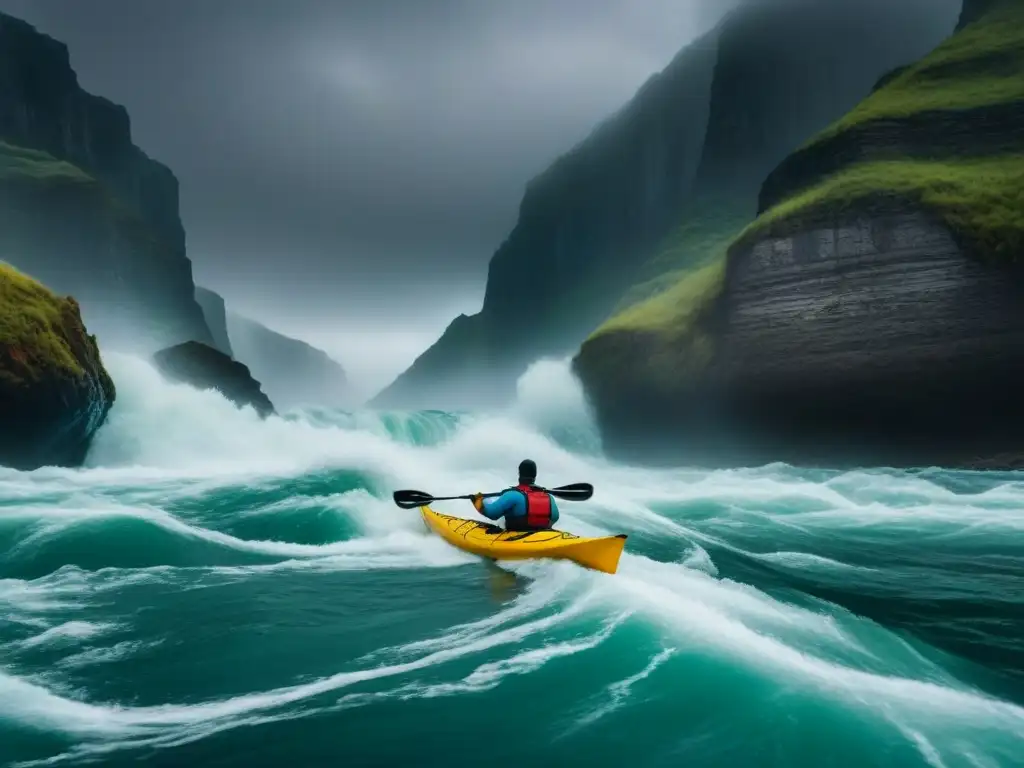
599	554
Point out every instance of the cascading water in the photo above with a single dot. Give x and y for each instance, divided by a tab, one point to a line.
213	589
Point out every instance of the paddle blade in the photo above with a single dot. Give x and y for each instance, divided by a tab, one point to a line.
412	499
574	492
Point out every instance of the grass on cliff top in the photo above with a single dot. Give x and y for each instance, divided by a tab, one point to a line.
659	339
32	324
19	163
982	65
673	311
701	239
980	199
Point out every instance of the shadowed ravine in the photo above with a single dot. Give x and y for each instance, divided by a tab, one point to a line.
216	589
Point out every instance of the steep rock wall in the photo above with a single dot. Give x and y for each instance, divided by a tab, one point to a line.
585	225
698	138
215	312
787	68
126	242
874	337
874	314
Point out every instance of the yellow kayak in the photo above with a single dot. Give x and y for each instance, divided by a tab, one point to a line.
599	554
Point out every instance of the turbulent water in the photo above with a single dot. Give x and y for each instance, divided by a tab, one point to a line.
217	590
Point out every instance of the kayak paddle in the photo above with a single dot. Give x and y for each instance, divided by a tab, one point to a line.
413	499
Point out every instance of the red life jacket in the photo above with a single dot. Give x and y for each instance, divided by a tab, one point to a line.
538	511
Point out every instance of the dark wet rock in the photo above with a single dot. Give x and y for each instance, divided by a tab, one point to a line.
204	367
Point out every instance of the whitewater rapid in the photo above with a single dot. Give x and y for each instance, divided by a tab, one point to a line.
760	616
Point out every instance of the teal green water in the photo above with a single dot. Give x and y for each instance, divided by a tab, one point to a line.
214	590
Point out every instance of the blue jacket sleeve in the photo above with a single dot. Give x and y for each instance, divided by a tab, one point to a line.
554	511
495	508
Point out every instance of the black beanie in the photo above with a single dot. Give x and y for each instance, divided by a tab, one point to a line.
527	470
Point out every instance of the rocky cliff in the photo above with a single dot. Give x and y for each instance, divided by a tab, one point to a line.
677	168
787	68
215	313
585	224
54	391
293	373
81	207
874	312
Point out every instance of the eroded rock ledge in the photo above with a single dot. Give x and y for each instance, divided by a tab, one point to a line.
870	338
991	130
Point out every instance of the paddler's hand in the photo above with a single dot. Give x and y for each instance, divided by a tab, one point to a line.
478	502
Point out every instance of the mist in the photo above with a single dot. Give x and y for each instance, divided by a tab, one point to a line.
348	165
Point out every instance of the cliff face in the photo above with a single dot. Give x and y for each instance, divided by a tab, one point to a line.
874	312
585	225
119	244
471	377
787	68
292	372
216	317
692	146
54	391
874	338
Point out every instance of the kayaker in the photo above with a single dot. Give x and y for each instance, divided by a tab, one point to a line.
524	507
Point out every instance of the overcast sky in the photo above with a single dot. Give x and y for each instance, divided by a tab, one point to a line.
348	168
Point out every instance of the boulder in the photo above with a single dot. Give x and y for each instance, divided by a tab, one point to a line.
204	367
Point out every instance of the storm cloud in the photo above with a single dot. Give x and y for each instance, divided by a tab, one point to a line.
334	155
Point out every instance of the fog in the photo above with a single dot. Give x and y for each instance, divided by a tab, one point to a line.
347	169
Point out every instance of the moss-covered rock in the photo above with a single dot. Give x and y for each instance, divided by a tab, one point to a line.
203	367
54	391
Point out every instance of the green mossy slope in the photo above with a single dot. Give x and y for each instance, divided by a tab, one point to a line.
980	199
975	184
34	333
659	331
22	164
980	66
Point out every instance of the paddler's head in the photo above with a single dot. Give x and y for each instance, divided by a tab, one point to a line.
527	472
